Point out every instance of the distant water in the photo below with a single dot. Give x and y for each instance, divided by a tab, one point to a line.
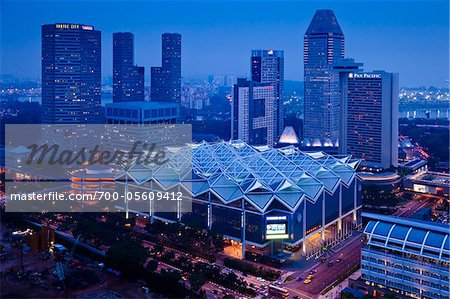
433	113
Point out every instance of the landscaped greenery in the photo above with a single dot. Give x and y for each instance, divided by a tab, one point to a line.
247	267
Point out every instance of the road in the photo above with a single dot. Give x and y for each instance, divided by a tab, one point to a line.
350	255
413	206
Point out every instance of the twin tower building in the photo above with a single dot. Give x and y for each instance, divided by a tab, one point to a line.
128	79
344	107
71	72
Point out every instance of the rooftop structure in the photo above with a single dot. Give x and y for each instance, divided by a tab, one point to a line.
141	112
289	136
429	182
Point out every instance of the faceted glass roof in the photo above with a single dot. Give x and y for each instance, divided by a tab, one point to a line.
235	170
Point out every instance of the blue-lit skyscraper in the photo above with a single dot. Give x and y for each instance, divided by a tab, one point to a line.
267	66
71	73
323	46
128	79
166	80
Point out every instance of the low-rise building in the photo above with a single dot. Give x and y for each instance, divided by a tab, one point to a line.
406	257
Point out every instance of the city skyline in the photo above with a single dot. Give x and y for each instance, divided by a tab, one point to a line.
399	41
224	149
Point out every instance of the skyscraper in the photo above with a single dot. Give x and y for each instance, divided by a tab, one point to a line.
128	79
371	118
323	46
253	118
343	69
267	66
71	73
166	80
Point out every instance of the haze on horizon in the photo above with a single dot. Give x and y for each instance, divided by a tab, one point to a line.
408	37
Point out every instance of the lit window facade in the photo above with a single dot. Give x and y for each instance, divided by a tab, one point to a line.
408	257
323	46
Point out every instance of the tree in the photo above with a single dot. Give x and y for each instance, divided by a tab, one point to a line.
128	256
169	255
197	280
152	265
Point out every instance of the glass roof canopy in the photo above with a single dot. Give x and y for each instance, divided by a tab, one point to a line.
234	170
413	236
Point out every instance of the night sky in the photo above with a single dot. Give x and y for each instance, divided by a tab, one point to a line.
408	37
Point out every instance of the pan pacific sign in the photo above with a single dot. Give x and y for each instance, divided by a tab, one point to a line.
364	76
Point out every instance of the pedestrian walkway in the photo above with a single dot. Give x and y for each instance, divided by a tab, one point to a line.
335	293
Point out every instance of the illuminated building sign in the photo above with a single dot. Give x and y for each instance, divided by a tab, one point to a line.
275	218
364	76
421	188
73	26
276	227
67	26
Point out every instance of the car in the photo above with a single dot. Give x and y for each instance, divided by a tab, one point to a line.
338	260
299	278
313	271
323	260
330	263
306	281
309	276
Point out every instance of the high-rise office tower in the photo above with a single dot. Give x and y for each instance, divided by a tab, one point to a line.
71	73
323	46
158	82
128	79
371	118
343	68
166	80
253	118
267	66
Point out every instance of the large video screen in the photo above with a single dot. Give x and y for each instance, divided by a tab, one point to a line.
276	228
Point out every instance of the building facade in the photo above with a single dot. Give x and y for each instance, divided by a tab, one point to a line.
128	79
166	80
343	68
71	74
149	122
254	111
323	47
143	113
371	118
407	257
255	195
267	66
